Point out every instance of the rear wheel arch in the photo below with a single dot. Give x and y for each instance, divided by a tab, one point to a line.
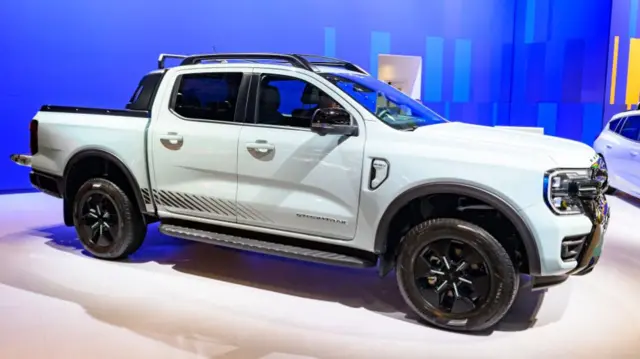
386	249
109	160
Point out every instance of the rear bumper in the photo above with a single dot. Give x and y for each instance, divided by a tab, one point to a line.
44	182
47	183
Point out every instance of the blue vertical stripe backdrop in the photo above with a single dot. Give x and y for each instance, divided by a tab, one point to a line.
329	42
547	117
633	17
432	75
591	121
380	44
530	22
462	71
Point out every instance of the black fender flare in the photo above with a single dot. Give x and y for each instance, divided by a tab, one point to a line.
485	195
112	160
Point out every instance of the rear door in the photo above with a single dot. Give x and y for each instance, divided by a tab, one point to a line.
193	144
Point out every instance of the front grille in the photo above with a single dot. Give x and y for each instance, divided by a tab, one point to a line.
571	247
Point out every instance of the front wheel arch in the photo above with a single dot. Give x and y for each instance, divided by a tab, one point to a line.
386	248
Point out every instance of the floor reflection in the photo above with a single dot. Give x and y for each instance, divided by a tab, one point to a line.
356	288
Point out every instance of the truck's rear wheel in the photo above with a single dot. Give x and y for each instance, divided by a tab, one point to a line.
455	275
107	221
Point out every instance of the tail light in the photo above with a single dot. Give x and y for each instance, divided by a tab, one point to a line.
33	137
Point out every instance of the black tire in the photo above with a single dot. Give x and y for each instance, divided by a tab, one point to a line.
108	223
496	276
603	164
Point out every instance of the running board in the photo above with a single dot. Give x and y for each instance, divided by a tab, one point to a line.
266	246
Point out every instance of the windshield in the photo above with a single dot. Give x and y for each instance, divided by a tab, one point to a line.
386	102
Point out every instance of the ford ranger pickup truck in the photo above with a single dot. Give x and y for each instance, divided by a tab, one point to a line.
312	158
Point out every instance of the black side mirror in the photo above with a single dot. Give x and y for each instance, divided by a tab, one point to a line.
333	121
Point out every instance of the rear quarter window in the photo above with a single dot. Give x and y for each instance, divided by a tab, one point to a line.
145	93
615	124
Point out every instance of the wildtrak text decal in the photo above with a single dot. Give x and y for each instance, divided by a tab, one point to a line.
326	219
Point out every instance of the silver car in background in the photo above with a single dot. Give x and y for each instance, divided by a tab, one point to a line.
619	148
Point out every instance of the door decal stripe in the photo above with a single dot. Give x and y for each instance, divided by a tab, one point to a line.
203	204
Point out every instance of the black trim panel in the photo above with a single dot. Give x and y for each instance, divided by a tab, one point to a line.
505	208
241	101
540	283
251	114
114	160
47	183
145	94
95	111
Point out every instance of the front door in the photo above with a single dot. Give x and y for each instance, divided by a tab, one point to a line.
290	178
194	146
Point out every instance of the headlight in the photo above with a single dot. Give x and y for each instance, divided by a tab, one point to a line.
559	191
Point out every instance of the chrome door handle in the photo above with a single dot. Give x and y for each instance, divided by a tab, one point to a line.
634	153
172	141
260	148
608	146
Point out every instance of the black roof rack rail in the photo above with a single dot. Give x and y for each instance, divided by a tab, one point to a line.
332	61
295	61
303	61
163	57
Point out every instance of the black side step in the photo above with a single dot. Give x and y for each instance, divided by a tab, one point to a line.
266	246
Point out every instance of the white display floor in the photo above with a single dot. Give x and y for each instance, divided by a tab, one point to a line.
176	299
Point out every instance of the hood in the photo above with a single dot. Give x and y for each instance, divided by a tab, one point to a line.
565	153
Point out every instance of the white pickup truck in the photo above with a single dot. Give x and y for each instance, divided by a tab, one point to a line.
312	158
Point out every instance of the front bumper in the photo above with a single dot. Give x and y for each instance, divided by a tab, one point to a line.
569	244
597	210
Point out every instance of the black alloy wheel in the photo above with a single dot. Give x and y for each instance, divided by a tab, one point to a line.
452	276
100	220
108	223
455	275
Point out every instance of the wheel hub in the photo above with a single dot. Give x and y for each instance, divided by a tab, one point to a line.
99	216
450	276
455	273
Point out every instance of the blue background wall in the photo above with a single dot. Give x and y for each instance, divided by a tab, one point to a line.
505	62
623	76
560	66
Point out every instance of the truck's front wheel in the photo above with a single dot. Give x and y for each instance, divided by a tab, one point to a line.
456	275
106	220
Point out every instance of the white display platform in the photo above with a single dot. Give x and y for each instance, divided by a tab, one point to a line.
176	299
